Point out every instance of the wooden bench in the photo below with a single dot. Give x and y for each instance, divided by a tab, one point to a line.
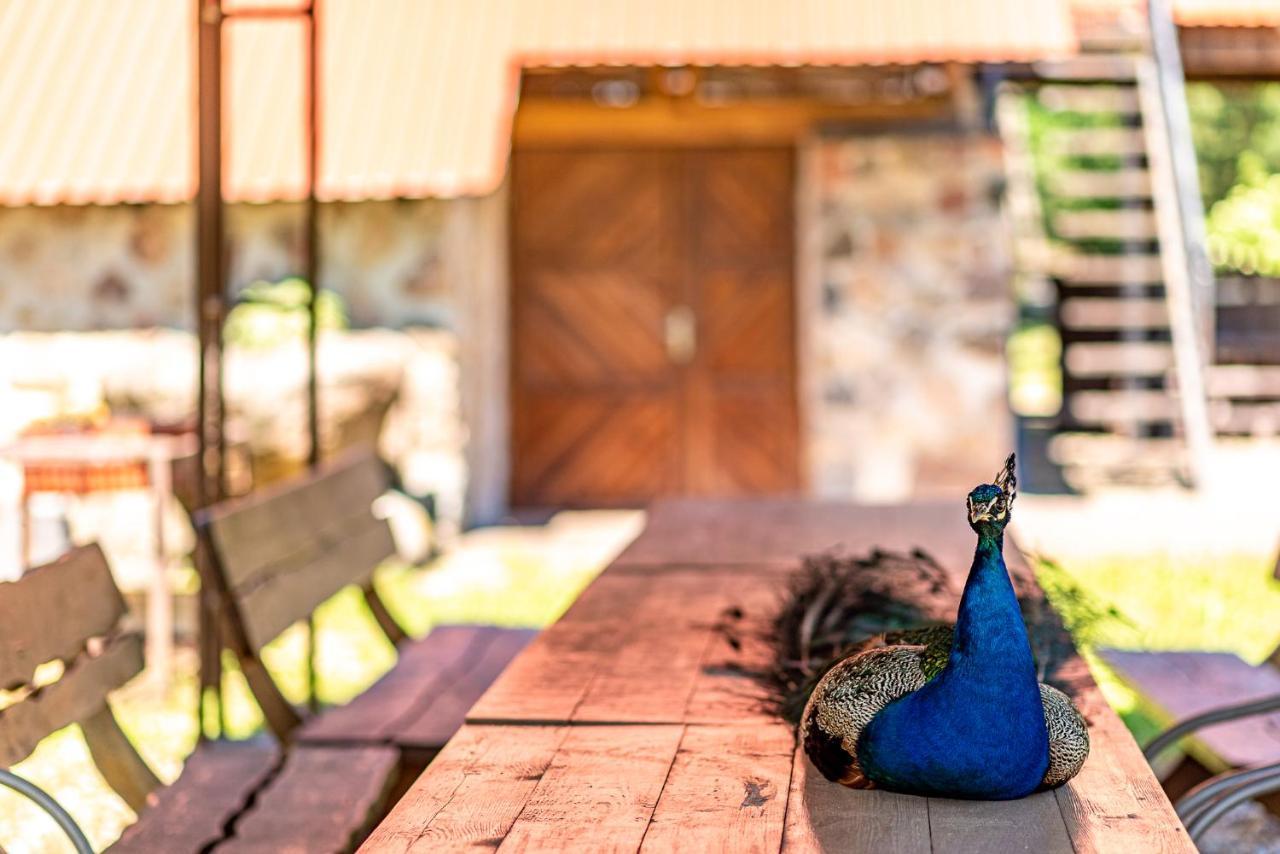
70	611
280	553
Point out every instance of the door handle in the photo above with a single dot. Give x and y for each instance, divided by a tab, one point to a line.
680	333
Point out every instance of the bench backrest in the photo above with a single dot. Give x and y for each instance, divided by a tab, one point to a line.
67	611
283	551
70	611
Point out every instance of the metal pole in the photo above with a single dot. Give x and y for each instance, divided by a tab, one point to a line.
210	310
312	275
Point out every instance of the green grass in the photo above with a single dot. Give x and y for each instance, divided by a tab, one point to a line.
1221	602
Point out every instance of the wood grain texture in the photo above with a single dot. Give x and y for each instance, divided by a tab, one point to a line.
471	793
274	602
323	802
726	791
824	816
190	815
121	766
283	524
1115	803
599	791
605	246
78	589
779	532
79	694
1033	824
1183	684
422	701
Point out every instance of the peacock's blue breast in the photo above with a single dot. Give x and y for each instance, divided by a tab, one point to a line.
961	737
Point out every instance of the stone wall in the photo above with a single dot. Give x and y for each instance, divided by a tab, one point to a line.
905	344
70	268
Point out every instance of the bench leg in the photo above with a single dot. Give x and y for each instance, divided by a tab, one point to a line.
116	758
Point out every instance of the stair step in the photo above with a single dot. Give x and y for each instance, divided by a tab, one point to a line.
1108	269
1243	381
1245	418
1098	313
1131	224
1085	98
1122	407
1097	142
1124	358
1098	184
1103	449
1086	67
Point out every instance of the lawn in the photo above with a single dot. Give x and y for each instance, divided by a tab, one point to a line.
1206	601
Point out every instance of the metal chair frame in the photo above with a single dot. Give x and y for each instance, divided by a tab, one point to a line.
45	801
1200	808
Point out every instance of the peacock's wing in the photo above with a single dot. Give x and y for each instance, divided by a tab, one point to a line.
1068	736
935	639
845	700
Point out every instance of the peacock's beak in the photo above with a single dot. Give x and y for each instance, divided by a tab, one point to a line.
983	512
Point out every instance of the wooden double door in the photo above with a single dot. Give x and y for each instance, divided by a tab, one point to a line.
653	338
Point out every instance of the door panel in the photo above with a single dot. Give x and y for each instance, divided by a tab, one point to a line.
652	325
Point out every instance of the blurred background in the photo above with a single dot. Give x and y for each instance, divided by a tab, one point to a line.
572	257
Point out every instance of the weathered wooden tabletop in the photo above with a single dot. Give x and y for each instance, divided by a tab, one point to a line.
628	724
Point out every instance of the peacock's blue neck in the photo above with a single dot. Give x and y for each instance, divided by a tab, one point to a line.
991	638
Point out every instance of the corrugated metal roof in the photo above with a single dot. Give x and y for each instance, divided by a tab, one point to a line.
1227	13
417	95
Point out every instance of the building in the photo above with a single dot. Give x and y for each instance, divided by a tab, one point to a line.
690	247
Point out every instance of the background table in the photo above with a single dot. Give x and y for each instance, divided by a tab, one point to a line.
631	723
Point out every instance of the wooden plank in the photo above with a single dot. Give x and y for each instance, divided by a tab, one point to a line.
471	793
277	527
79	589
275	602
726	791
1130	183
1033	824
1105	225
547	681
430	726
599	792
1127	269
727	688
779	532
80	693
423	668
1084	98
217	782
1097	142
1122	405
1107	358
825	816
651	675
323	802
117	760
1244	380
1103	313
1183	684
1115	802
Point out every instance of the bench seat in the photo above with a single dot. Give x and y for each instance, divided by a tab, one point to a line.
240	797
1182	684
422	701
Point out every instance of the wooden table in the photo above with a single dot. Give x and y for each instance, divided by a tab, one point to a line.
628	725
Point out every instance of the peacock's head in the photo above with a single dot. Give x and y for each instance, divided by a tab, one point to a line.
990	503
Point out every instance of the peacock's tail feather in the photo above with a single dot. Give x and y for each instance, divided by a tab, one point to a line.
835	606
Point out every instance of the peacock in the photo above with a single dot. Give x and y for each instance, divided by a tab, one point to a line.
925	707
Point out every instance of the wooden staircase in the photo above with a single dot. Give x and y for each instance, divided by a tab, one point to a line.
1098	209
